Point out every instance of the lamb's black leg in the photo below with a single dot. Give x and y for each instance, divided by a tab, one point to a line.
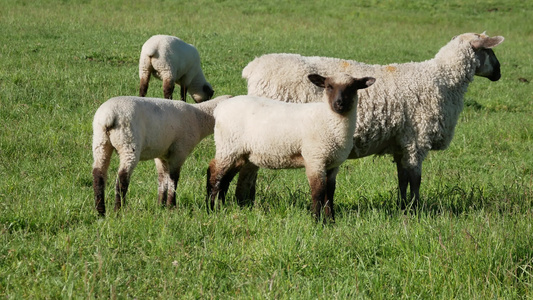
121	188
99	191
168	88
317	182
225	182
218	180
183	93
403	181
143	86
209	188
415	179
245	190
331	180
172	186
408	176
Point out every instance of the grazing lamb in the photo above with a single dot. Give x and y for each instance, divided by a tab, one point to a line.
413	108
260	132
173	61
142	129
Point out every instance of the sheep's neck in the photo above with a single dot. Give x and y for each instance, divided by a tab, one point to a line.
206	121
457	64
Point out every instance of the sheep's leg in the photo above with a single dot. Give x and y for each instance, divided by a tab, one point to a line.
331	180
143	87
218	180
228	177
173	183
121	188
102	159
128	160
411	177
168	88
214	176
163	181
99	190
162	189
317	182
415	178
208	185
245	190
225	182
183	93
403	181
246	185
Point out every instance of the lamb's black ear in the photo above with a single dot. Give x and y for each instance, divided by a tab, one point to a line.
363	83
317	80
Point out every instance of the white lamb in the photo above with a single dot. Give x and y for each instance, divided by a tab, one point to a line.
413	107
173	61
260	132
147	128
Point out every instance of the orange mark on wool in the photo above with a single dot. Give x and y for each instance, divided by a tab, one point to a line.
390	68
345	64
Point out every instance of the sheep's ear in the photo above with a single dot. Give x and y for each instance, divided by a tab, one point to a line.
317	80
487	43
369	81
363	83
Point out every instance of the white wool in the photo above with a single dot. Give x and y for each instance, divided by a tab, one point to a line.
275	133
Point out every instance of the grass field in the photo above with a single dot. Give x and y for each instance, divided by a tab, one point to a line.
471	239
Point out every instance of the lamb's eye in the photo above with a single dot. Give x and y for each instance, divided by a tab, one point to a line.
329	87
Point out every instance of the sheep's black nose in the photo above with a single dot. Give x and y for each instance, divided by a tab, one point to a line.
339	106
496	75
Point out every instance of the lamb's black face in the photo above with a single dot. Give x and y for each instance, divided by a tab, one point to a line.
341	90
489	66
342	98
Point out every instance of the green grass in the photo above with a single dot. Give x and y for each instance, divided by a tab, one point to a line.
472	238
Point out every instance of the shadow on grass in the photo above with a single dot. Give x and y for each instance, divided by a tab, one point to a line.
449	199
455	200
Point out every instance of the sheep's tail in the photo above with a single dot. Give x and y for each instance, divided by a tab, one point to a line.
145	61
248	70
102	146
145	68
255	80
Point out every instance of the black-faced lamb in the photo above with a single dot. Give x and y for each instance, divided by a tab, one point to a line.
147	128
413	107
173	61
261	132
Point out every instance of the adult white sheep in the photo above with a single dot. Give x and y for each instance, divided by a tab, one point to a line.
413	107
173	61
260	132
147	128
